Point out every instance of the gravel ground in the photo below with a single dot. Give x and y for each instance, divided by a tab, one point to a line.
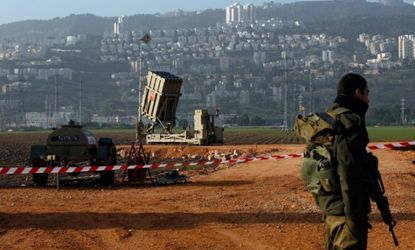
258	205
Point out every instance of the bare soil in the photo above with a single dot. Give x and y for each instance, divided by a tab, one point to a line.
258	205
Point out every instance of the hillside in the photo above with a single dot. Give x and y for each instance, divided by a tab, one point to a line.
349	18
94	25
324	11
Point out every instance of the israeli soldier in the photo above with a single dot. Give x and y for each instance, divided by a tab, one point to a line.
346	210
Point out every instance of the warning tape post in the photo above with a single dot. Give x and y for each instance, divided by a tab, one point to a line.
20	170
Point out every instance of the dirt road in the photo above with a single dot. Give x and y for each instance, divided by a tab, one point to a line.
259	205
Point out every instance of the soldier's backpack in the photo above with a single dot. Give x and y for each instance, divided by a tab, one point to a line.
318	170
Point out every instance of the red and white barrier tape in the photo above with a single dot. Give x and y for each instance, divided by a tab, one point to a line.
391	145
82	169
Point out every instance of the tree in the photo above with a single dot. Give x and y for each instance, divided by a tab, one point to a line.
183	123
243	120
380	115
257	121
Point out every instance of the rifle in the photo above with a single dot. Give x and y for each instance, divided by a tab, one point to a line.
378	196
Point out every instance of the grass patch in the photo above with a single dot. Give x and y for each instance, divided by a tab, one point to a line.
382	133
392	133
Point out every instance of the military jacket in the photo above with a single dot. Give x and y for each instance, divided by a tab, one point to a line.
352	199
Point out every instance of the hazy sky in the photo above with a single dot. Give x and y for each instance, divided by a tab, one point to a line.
18	10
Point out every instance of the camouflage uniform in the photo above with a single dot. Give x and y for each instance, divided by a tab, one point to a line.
346	210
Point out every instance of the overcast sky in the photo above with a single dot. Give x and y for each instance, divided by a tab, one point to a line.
18	10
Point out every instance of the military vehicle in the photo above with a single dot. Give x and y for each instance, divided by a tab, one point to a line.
73	145
159	104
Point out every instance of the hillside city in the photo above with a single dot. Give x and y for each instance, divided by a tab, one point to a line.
246	66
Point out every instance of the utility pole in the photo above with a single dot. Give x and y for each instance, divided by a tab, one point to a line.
139	125
22	107
139	82
46	110
301	108
310	101
80	100
55	101
47	104
285	122
403	120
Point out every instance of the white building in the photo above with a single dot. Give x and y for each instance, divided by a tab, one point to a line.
236	13
327	55
244	97
71	40
276	94
259	57
406	46
233	13
249	12
39	120
15	86
42	120
119	26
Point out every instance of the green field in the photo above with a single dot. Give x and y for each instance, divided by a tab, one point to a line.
387	133
241	135
392	133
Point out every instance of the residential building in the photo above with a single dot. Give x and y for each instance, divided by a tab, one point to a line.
244	97
327	56
119	25
406	46
236	13
249	12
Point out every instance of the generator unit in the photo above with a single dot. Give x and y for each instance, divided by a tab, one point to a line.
159	104
73	145
204	130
